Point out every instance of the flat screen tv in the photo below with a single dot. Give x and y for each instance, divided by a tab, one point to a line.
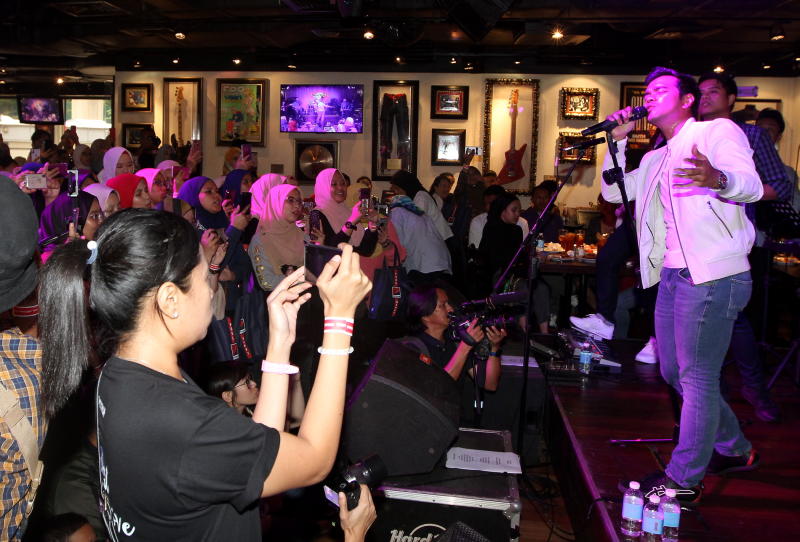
322	108
34	110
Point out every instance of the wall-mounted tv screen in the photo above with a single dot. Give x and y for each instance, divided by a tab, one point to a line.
322	108
40	110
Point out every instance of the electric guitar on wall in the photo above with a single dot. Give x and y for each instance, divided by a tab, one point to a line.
512	168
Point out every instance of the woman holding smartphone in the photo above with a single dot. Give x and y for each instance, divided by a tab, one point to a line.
340	223
175	463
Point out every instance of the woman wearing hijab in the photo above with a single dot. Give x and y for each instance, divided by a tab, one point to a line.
236	182
116	161
158	187
132	191
106	196
277	246
57	216
340	223
423	200
260	191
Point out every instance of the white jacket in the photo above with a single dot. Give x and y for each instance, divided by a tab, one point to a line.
714	233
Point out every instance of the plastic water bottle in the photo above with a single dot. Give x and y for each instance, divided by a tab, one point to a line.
671	510
652	520
585	359
632	504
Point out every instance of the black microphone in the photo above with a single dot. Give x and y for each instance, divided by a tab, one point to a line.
639	112
585	144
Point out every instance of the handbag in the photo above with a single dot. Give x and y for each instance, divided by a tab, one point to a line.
390	290
242	336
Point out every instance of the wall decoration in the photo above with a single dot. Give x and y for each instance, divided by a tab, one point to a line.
183	110
511	112
746	109
312	156
395	117
132	135
579	103
241	105
449	102
447	147
632	94
568	138
137	97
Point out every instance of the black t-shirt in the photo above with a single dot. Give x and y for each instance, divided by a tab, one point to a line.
175	463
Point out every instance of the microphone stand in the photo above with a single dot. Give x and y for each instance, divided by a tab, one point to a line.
616	176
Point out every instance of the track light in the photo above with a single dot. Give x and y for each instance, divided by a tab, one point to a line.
176	60
766	66
453	60
777	33
368	34
180	36
60	81
237	61
292	67
718	69
517	62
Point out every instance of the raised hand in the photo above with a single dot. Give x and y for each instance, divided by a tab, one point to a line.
702	174
342	285
283	304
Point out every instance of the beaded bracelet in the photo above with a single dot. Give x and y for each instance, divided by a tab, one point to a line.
335	351
279	368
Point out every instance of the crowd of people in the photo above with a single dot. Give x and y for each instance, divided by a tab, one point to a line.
112	282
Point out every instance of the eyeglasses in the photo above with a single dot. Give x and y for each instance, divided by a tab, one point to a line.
249	382
99	216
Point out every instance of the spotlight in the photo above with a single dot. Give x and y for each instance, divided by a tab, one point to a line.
3	70
180	36
517	62
469	66
2	82
176	60
777	33
237	61
292	67
137	64
718	69
557	33
368	34
766	66
60	81
452	61
398	59
796	59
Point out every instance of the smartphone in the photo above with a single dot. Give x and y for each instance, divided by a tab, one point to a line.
62	168
247	150
308	206
36	181
331	495
35	154
314	221
383	209
477	150
245	198
73	183
315	259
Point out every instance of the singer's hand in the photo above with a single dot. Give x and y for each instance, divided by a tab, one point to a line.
625	127
703	174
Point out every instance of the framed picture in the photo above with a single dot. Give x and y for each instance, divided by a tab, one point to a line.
312	156
183	110
579	103
241	111
395	115
449	102
137	97
747	109
568	138
633	94
511	113
132	135
447	147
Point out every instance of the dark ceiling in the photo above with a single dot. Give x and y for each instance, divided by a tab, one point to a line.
75	37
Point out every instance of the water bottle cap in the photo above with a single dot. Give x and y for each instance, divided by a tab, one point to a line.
670	493
655	499
634	485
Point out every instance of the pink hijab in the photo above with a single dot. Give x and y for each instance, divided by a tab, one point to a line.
281	240
260	191
336	213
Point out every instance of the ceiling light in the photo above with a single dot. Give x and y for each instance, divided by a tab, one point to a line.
3	70
398	59
777	33
718	69
60	81
557	33
292	67
368	34
180	36
453	60
468	66
517	62
796	59
2	82
766	66
237	61
137	64
176	60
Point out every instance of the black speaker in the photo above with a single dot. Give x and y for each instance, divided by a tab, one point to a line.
477	17
403	410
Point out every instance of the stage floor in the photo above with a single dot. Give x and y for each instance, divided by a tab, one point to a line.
754	506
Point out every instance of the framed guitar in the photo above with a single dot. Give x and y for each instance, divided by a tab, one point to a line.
183	115
512	168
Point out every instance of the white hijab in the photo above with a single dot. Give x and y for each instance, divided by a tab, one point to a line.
336	213
110	159
101	192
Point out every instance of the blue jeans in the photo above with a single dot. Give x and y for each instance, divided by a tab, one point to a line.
693	325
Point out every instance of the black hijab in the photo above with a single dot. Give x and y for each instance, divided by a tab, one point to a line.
56	216
500	240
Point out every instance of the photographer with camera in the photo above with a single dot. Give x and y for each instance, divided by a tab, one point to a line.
429	315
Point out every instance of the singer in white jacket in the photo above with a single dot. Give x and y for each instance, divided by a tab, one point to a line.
693	240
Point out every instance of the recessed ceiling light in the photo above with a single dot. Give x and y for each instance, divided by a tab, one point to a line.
2	82
3	70
292	67
180	36
557	33
718	69
777	33
517	62
60	81
453	60
137	64
796	59
398	59
766	66
237	61
368	34
176	60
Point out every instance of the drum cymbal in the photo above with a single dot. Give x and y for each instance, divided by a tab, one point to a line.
314	159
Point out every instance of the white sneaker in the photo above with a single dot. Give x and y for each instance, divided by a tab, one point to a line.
593	324
648	354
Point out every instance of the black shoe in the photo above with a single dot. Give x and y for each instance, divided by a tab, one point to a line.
765	408
724	464
658	482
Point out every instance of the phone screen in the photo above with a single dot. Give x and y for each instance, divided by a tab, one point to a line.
315	259
245	198
331	495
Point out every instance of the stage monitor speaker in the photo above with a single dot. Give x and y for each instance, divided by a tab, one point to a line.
403	410
477	17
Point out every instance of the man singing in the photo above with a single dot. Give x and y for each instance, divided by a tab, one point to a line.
693	240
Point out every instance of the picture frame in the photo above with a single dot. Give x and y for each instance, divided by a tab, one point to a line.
183	109
568	138
632	94
241	111
579	103
746	109
132	135
394	149
136	97
312	156
447	147
499	118
449	102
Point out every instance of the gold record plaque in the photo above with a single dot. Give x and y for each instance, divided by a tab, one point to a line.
313	157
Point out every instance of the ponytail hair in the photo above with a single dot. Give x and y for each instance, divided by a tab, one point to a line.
138	251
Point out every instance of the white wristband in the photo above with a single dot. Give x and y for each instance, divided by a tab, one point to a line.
279	368
335	352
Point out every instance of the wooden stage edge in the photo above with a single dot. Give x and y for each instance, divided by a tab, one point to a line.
580	420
